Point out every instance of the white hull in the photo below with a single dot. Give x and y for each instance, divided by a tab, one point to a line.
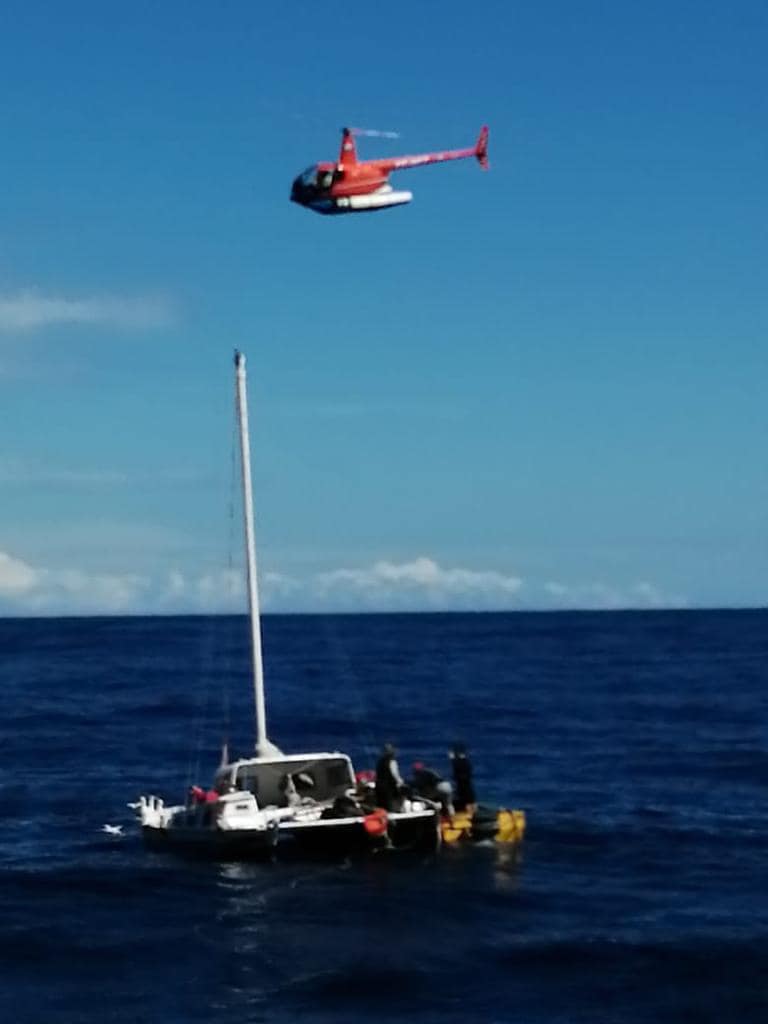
185	831
229	821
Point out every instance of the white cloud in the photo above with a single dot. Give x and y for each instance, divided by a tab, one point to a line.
225	590
604	597
94	592
176	584
24	588
16	577
30	311
33	472
421	583
416	584
218	590
556	590
14	471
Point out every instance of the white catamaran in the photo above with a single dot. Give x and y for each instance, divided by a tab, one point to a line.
273	804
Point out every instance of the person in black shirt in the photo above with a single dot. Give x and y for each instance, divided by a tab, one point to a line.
464	790
389	782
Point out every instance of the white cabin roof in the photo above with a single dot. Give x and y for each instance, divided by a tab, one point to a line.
285	759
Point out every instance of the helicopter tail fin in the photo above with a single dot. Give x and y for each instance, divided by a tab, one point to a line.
348	152
481	149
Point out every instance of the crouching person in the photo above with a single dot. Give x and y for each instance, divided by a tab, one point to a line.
428	784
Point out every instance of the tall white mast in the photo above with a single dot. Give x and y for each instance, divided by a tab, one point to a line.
263	746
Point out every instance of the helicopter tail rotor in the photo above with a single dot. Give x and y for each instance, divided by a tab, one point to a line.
481	149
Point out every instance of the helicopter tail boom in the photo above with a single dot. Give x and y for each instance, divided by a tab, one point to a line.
479	150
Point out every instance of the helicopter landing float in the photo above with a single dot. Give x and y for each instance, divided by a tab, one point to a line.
359	186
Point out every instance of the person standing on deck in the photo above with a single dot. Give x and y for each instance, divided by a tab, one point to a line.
389	782
464	790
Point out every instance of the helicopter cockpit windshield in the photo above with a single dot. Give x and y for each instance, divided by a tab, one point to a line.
304	188
311	183
309	177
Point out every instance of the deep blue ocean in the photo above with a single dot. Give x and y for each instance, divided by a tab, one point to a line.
637	743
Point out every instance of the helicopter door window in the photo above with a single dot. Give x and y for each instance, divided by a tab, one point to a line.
325	179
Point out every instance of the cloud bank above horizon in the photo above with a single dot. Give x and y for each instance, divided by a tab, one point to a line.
421	584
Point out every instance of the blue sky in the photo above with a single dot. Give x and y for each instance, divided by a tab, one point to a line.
539	387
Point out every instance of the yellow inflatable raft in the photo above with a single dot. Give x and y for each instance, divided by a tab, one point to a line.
507	827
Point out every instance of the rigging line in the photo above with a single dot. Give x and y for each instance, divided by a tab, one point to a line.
213	637
208	645
203	700
205	683
211	640
229	636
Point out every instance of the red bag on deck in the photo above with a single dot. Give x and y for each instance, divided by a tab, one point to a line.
375	823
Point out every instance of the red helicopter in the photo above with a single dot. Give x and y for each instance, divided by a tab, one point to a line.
357	186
